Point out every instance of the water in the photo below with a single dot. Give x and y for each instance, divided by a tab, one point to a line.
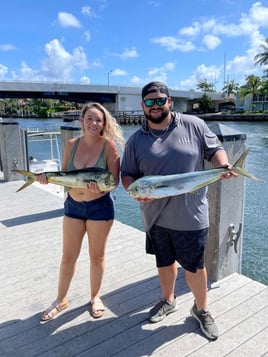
255	243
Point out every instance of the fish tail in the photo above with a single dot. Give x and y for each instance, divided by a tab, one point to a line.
242	158
238	167
243	172
31	178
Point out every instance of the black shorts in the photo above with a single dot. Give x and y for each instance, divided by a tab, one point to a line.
185	247
101	209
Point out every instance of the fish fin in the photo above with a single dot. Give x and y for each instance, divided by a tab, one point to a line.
204	184
30	175
27	183
238	167
242	158
243	172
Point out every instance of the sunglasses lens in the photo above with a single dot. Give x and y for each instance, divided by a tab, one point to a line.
158	101
161	101
149	102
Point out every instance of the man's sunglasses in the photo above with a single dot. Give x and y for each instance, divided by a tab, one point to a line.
159	101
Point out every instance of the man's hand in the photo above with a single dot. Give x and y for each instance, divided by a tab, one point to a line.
229	174
144	199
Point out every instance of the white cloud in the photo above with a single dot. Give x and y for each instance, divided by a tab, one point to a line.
128	53
84	80
172	43
259	14
118	72
3	71
210	73
211	42
88	12
7	47
137	81
68	20
160	73
191	30
60	64
97	63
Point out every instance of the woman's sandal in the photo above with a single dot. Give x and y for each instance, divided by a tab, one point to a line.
97	308
53	310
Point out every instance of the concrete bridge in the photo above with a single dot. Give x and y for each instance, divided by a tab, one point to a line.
115	98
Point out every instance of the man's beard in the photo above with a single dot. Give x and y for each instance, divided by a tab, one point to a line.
159	119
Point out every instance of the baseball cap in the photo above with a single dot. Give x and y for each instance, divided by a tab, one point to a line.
154	87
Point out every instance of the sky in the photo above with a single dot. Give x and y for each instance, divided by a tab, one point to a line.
129	43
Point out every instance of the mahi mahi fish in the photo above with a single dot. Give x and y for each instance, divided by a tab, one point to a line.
74	178
160	186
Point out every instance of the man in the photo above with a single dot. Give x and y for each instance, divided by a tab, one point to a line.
176	227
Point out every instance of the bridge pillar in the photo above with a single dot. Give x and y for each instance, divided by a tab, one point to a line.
12	151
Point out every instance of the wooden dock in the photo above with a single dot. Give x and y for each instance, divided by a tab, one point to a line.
30	251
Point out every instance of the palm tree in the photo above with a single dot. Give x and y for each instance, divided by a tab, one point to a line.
252	86
205	86
261	59
230	88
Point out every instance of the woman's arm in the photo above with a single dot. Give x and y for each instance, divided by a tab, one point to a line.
113	160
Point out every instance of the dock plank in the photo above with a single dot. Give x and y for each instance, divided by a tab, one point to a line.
30	250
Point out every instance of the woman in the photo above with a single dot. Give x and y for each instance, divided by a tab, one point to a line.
87	210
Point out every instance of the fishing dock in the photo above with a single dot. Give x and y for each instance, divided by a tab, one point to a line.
30	248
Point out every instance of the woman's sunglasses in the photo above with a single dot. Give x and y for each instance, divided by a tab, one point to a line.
159	101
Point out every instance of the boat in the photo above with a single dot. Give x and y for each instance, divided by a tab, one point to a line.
71	115
36	138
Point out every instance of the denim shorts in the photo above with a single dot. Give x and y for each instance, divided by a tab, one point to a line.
185	247
101	209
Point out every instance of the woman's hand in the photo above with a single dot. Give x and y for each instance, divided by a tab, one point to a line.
41	178
93	187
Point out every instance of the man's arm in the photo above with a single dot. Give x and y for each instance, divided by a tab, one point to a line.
220	158
126	181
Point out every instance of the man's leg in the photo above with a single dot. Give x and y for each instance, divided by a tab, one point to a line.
167	276
198	284
167	304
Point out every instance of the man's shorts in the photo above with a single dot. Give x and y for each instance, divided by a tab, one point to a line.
185	247
101	209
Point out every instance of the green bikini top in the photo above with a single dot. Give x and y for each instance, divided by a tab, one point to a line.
100	162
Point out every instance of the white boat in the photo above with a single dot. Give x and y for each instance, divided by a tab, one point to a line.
43	165
52	151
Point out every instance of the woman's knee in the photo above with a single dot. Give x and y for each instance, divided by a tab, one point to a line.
69	259
97	260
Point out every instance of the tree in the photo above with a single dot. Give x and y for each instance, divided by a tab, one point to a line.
230	88
261	59
205	103
205	86
252	86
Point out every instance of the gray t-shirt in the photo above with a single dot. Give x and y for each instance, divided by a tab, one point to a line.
183	148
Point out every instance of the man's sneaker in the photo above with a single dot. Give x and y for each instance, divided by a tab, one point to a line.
206	322
162	309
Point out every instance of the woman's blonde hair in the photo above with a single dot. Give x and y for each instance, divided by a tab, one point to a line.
111	130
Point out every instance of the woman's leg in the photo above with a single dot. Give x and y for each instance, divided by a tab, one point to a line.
98	232
73	233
